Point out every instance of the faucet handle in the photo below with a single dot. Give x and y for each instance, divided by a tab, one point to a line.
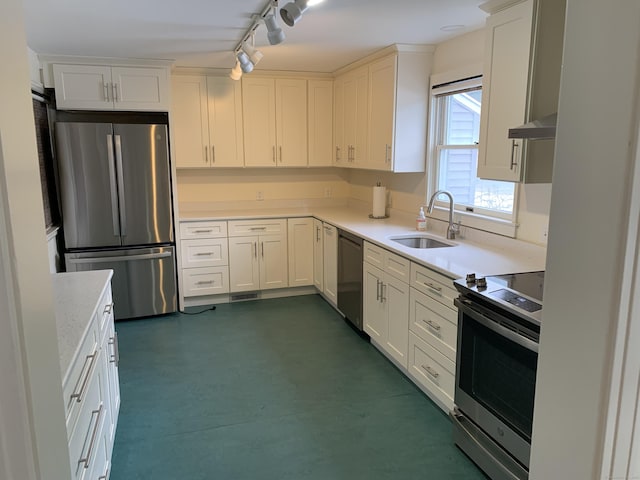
453	230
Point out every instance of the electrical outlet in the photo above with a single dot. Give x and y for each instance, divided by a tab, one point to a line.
327	192
259	195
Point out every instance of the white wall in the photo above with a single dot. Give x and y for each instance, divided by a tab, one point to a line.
26	286
593	171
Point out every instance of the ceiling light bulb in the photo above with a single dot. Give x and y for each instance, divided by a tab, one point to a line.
292	12
236	72
274	32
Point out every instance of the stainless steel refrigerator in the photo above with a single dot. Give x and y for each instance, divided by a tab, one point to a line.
115	185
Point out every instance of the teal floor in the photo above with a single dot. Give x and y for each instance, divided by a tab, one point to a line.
271	389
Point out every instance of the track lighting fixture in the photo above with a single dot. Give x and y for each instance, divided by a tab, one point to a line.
292	12
236	72
245	62
254	55
274	32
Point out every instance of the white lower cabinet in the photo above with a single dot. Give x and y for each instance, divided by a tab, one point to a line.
330	262
318	255
259	261
386	302
301	259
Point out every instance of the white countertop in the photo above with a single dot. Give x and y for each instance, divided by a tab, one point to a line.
75	297
477	252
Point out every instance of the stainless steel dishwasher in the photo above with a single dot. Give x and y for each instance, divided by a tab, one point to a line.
350	277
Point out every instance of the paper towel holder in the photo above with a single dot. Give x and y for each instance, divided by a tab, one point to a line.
376	217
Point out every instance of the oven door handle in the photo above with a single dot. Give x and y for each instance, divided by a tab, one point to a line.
465	305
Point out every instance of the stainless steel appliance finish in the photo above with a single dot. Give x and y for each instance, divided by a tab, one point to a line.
497	354
350	277
116	199
143	278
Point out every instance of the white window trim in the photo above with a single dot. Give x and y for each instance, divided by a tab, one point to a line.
500	226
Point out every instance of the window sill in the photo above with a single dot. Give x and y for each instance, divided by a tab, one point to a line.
479	222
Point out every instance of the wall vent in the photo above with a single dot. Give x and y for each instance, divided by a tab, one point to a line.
244	296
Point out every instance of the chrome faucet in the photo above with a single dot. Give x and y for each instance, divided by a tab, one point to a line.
453	228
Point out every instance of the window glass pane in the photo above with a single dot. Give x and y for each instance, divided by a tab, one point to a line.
462	125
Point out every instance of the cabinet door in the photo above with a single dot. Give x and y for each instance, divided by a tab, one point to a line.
396	295
259	121
301	251
340	149
359	152
273	261
244	272
291	122
112	357
190	121
318	255
330	267
83	87
320	107
226	147
382	83
374	308
504	91
350	92
140	88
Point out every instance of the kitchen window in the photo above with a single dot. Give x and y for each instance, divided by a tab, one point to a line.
456	130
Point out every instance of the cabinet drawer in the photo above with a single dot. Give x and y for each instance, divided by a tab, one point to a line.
434	323
85	437
397	266
431	370
77	383
239	228
374	255
434	284
193	230
210	252
205	281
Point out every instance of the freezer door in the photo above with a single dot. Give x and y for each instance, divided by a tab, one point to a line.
142	165
88	184
144	279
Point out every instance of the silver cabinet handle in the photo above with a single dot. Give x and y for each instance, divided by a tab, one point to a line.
430	371
353	153
108	308
105	476
432	286
213	154
273	153
105	86
203	231
204	254
255	249
92	443
206	154
92	360
280	148
112	186
253	229
120	173
317	234
337	153
387	156
377	290
205	282
514	163
114	87
115	358
262	248
432	324
382	290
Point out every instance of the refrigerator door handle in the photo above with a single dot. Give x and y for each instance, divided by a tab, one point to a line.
123	217
120	258
114	188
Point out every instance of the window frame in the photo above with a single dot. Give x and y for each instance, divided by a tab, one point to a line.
482	219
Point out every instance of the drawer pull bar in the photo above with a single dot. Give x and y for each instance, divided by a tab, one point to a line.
433	325
203	231
92	443
430	371
208	282
78	396
432	286
105	476
108	308
204	254
115	358
253	229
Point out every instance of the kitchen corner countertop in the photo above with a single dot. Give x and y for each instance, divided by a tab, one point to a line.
75	298
485	254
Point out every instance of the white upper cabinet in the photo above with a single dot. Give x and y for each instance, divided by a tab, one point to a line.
275	122
207	121
523	57
104	87
320	111
356	113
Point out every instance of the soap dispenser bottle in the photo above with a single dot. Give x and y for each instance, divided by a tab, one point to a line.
421	221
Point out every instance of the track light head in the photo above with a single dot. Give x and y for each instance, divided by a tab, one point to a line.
236	72
245	62
292	12
254	55
274	32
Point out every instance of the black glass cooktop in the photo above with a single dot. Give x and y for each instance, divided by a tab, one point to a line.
529	284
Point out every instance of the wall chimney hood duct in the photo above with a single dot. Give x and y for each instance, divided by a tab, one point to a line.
544	128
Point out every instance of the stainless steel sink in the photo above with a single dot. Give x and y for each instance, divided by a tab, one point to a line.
421	242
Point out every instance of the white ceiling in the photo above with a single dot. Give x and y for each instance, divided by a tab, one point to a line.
203	33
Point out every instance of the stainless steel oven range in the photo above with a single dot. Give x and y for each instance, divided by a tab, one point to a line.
497	355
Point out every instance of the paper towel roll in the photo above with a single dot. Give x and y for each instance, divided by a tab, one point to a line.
379	201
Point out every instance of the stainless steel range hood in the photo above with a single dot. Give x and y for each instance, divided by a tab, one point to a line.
544	128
